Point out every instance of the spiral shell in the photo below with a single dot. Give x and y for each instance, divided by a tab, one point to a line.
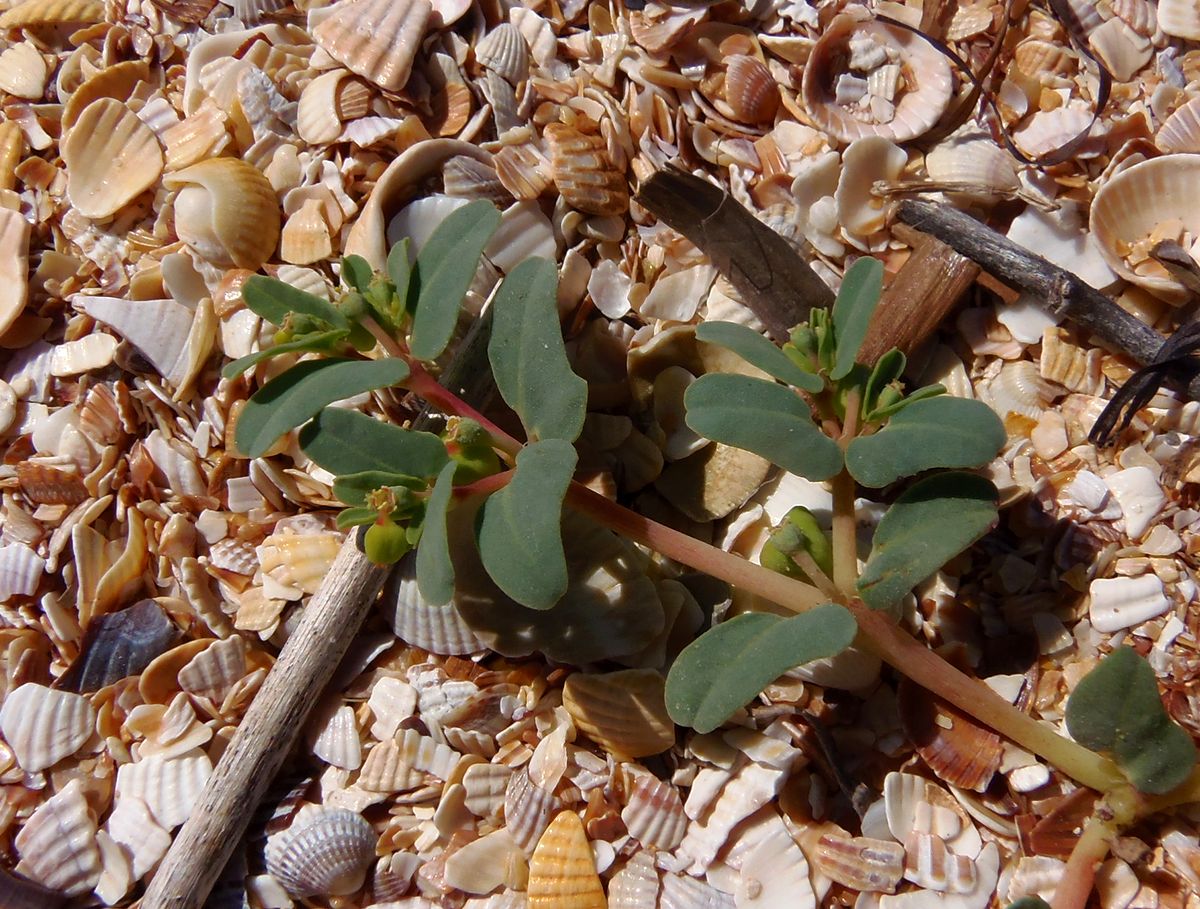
562	872
750	90
325	851
43	726
583	172
378	39
111	157
624	711
226	212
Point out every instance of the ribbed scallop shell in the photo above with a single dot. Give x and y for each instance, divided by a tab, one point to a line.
438	629
1039	58
527	809
378	39
57	845
111	158
117	81
653	813
860	863
52	12
926	73
469	178
214	671
1132	204
522	171
385	770
326	851
562	872
169	786
583	172
1180	132
750	90
226	212
299	560
635	886
338	742
317	119
1178	18
682	892
1070	365
23	72
14	266
485	785
956	748
43	726
624	711
42	484
1018	388
504	51
118	645
976	162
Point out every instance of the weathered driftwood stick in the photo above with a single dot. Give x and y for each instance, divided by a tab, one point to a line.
923	292
266	734
1062	292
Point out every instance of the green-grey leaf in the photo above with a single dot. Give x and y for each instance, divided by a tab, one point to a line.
353	488
399	269
435	570
888	368
445	267
760	416
931	522
355	517
520	529
1117	708
852	311
356	272
275	301
347	442
937	432
299	394
758	351
528	357
728	666
316	341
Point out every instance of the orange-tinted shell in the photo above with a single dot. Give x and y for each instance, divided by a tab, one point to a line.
955	747
624	711
583	172
750	90
562	872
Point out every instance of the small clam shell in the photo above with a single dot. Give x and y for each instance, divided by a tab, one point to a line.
51	12
385	770
584	173
43	726
976	162
57	845
860	862
378	39
624	711
14	266
562	872
325	851
1133	205
1177	18
654	814
750	90
23	72
956	748
226	212
527	809
317	119
503	50
21	568
111	157
924	71
635	886
170	786
1180	132
337	742
215	670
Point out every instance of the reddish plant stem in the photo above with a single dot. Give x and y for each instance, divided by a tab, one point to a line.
1075	885
485	486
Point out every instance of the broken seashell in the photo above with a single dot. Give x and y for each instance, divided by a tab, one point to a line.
683	892
119	645
745	792
43	726
562	872
57	845
866	161
325	851
117	81
486	864
226	212
956	748
775	873
624	711
504	51
862	863
214	671
469	178
317	118
528	809
23	72
378	39
976	163
635	886
14	266
1180	132
1177	18
338	743
170	786
584	172
51	12
929	864
1117	603
111	158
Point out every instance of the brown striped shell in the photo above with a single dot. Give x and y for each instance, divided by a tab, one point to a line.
624	711
750	90
956	748
583	172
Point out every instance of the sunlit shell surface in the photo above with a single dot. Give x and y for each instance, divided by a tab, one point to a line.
43	726
1179	18
583	172
635	886
226	211
562	873
654	814
111	157
750	90
528	809
504	51
956	748
51	12
624	711
326	851
377	39
168	786
57	845
860	862
14	266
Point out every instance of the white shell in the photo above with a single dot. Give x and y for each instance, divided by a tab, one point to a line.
930	864
485	785
747	791
43	726
168	786
635	886
111	157
1180	132
1117	603
157	328
378	39
677	296
524	231
975	161
528	810
14	266
214	671
775	875
504	51
654	813
682	892
57	845
1049	130
325	851
337	742
1122	49
1018	388
133	827
1140	496
486	863
1179	18
20	570
867	160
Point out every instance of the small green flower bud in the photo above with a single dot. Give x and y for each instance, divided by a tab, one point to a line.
385	542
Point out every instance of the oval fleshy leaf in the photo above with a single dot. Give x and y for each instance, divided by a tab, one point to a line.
1117	708
353	488
275	301
852	311
299	394
931	522
758	351
729	665
347	442
762	417
444	270
321	341
435	570
520	528
528	358
356	272
935	432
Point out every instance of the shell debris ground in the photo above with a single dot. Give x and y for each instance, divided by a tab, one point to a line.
156	153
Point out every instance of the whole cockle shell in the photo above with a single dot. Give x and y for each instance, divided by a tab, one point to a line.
378	39
14	266
43	726
325	851
57	845
562	872
111	158
584	173
505	52
1138	206
653	813
624	711
750	90
226	212
1180	132
925	74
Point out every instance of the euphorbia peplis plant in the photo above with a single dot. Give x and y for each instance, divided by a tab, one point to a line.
818	413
